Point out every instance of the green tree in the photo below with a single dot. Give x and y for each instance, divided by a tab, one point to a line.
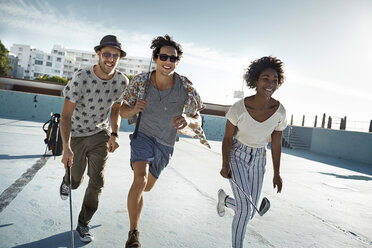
4	61
55	79
130	77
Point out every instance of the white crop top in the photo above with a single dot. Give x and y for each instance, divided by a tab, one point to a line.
251	132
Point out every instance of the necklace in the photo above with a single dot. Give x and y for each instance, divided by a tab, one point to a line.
161	99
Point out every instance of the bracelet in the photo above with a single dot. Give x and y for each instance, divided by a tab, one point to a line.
115	134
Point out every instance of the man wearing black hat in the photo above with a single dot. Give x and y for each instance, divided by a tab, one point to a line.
86	134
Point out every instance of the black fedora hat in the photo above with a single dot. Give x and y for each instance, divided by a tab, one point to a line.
111	41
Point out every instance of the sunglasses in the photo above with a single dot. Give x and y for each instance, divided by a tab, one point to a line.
164	57
108	55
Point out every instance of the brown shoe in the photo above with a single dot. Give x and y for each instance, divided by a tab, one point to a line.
133	240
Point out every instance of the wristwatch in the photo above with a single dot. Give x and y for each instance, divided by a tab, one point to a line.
115	134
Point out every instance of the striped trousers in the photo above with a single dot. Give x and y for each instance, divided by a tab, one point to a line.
248	168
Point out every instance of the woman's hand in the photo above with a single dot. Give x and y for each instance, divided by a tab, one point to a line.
225	171
277	181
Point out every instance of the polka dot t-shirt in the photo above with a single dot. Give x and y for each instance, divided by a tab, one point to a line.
94	98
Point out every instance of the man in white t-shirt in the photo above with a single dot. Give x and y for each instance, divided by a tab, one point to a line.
87	137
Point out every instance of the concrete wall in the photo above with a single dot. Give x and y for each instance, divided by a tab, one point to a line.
351	145
344	144
36	107
28	106
214	127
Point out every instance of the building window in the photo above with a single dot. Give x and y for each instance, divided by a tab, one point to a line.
49	58
49	64
38	62
20	49
59	59
61	53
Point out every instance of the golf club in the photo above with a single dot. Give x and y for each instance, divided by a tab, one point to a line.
265	204
144	97
69	189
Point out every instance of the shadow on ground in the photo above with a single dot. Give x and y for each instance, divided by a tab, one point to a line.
333	161
55	241
6	156
353	177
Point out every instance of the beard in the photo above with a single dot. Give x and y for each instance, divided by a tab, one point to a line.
104	69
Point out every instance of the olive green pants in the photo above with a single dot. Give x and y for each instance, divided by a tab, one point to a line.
92	151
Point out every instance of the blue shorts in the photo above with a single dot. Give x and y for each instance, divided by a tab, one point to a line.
146	148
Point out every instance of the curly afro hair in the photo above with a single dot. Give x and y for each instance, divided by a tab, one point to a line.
161	41
256	67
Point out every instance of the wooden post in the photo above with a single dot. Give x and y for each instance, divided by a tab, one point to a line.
323	121
316	120
303	120
329	122
291	120
343	123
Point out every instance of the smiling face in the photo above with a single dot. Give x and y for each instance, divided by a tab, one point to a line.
267	82
167	67
108	60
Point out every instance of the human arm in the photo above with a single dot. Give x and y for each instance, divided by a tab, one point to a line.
115	119
276	150
230	131
127	111
65	127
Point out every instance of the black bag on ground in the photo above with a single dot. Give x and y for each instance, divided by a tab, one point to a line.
53	138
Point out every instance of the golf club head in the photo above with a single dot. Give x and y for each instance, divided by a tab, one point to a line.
265	205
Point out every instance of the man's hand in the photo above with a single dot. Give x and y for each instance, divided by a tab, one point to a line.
226	171
68	157
180	121
277	181
140	105
113	143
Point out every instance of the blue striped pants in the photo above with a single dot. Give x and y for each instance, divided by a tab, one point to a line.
248	168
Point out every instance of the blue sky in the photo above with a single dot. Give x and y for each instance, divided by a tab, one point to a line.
325	45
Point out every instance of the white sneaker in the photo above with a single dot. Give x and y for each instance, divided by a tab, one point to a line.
221	195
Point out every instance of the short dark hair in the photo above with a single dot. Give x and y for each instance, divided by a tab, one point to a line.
161	41
256	67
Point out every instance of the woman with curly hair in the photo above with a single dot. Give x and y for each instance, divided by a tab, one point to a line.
251	124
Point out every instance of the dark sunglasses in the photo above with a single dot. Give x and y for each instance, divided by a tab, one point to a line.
164	57
108	55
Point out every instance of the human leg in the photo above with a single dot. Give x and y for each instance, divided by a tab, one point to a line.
248	167
97	154
77	170
135	195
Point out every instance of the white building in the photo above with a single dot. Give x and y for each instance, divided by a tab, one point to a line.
63	62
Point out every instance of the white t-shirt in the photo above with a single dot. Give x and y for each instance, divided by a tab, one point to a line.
251	132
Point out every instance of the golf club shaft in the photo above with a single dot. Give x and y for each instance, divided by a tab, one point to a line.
144	96
254	205
69	188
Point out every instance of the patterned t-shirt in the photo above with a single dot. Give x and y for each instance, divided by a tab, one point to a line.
94	98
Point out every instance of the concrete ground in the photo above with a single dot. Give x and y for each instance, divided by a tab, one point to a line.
325	202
